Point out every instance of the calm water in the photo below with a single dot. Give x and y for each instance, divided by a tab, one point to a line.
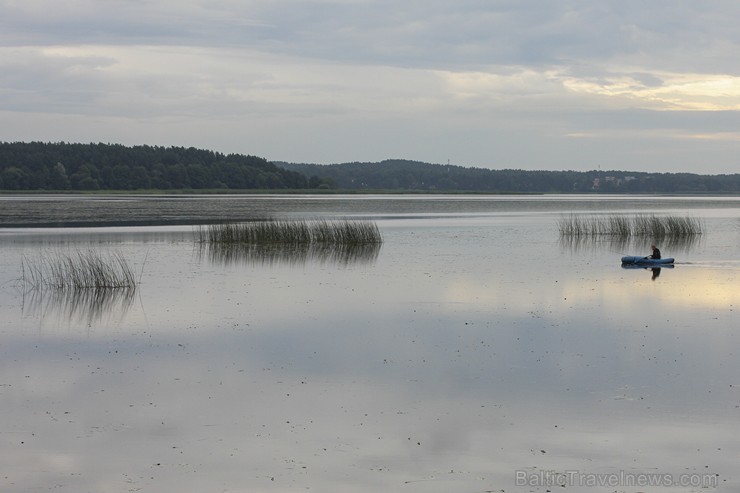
474	351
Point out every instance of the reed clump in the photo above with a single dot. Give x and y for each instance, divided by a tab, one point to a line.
81	270
659	227
291	232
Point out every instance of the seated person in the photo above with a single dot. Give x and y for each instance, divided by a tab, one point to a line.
656	253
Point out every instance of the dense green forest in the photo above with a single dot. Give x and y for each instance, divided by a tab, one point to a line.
413	175
62	166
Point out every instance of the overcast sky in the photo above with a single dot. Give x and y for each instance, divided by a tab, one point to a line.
649	85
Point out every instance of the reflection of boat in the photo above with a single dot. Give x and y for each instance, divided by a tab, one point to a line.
647	266
653	267
646	261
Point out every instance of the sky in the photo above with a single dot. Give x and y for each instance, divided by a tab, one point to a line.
528	84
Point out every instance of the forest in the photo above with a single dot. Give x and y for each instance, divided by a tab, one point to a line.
64	166
38	166
412	175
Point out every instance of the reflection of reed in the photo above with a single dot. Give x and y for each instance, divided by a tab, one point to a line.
683	244
623	244
578	244
87	306
244	253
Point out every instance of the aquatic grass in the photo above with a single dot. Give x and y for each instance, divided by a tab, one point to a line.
291	232
80	270
658	227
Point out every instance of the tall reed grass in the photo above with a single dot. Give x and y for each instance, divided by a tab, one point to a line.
78	270
291	232
658	227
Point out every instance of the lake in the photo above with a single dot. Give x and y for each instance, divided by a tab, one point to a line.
474	350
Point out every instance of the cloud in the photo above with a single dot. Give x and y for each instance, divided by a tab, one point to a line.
537	71
665	91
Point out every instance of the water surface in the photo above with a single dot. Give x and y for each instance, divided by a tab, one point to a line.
474	348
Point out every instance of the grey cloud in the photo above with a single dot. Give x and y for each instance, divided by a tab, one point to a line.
476	33
469	34
30	81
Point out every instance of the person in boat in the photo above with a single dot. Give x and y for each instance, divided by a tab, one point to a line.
656	253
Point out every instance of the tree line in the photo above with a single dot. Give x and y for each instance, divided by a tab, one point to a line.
65	166
413	175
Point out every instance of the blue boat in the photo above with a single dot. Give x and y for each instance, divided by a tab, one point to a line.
646	261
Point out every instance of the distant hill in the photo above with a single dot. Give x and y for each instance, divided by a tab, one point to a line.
403	175
63	166
66	166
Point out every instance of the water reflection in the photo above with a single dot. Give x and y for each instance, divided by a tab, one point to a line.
626	244
79	306
231	254
102	209
654	271
93	235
